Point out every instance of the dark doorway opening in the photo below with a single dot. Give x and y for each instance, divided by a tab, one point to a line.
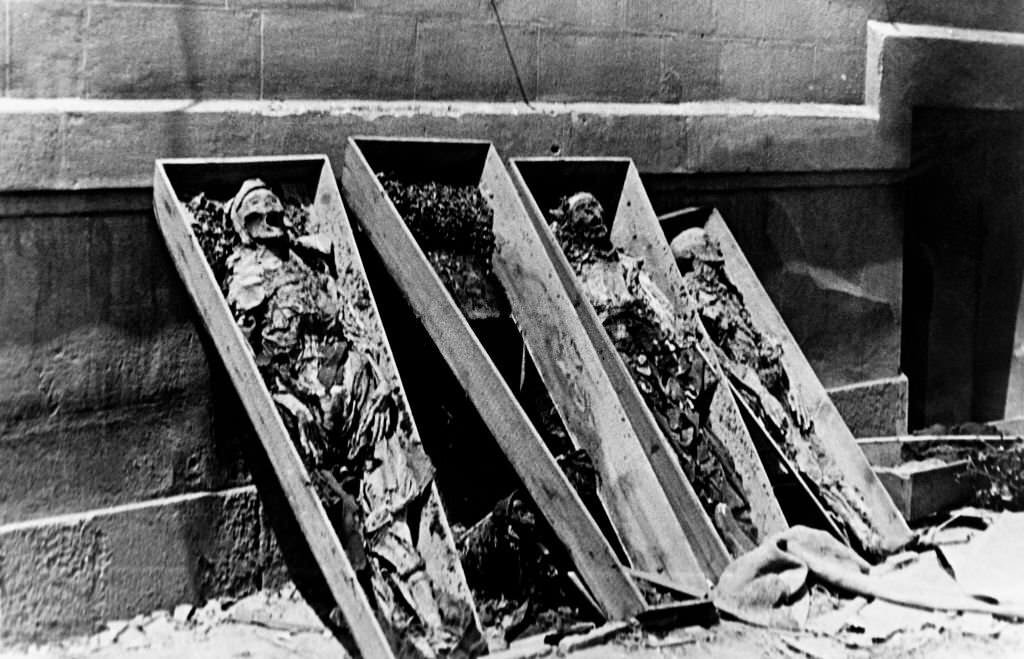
963	264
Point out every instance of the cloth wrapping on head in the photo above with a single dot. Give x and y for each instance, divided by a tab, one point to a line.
248	187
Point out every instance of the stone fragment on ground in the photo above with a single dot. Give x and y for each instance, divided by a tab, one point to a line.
265	624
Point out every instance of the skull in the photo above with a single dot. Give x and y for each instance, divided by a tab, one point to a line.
694	243
583	215
257	213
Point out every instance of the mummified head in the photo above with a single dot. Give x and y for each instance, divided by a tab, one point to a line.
582	216
257	213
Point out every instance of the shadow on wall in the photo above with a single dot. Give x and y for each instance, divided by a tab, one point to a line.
828	253
964	264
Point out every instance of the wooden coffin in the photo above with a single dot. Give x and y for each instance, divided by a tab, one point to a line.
637	508
312	179
835	435
710	548
635	229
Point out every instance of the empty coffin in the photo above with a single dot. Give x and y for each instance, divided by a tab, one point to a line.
386	502
638	509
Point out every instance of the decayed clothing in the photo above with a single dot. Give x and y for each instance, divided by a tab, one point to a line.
660	350
313	348
754	363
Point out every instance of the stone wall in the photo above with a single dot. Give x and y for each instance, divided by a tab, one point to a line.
115	420
566	50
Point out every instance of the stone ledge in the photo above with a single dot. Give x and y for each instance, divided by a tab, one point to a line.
63	575
874	408
76	144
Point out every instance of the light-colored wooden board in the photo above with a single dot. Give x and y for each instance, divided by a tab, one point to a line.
241	368
701	533
607	579
637	231
833	432
583	394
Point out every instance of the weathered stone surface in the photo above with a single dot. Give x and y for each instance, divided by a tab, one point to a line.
695	17
612	67
468	60
876	408
46	48
343	55
689	69
838	74
63	575
140	51
659	141
118	149
68	463
766	70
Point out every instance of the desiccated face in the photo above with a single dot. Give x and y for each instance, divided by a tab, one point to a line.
257	213
585	216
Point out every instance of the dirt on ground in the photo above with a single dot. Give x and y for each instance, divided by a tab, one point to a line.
279	624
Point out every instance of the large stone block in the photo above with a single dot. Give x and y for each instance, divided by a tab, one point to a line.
838	74
766	70
71	463
607	67
332	54
138	51
102	275
693	17
468	60
336	5
877	408
745	19
454	8
118	148
64	575
660	141
575	13
46	48
689	69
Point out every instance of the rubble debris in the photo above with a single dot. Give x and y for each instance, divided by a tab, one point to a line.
995	469
753	362
662	354
309	328
514	564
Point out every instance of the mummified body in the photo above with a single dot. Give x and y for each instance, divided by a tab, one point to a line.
754	364
661	352
309	328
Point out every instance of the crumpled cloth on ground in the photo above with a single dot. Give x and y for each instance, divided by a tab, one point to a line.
769	586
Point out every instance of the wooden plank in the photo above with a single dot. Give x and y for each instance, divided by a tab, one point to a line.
585	398
637	231
557	500
830	428
238	361
703	537
1010	426
808	496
